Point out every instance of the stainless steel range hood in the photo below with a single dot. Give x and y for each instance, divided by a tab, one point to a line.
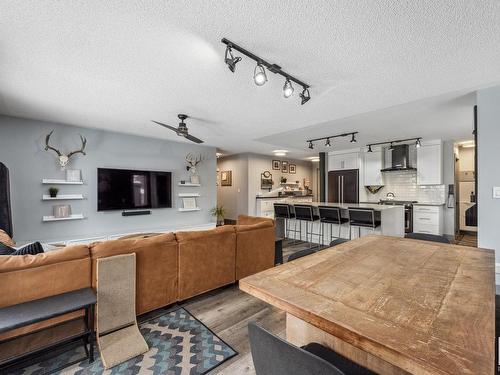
400	158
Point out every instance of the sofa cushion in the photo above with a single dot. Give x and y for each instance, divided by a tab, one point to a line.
156	268
250	220
206	260
5	239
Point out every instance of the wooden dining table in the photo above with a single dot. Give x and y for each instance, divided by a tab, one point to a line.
393	305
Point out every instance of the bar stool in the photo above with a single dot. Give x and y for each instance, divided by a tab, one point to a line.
304	212
284	211
362	218
330	215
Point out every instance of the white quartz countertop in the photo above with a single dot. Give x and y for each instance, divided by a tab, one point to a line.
345	206
429	204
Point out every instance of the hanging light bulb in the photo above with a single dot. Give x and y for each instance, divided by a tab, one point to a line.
418	143
230	60
311	146
287	89
259	75
353	139
304	96
370	148
327	143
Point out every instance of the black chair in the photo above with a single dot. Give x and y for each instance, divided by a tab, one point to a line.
304	212
300	254
330	215
338	241
427	237
274	356
284	211
362	218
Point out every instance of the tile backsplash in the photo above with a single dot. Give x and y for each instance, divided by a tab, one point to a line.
404	186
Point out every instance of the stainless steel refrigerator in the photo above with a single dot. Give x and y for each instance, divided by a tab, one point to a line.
343	186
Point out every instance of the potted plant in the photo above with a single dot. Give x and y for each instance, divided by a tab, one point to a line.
219	212
53	192
283	180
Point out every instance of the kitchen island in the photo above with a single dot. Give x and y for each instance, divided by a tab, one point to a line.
392	221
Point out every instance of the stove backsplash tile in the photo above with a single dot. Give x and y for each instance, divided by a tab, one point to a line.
404	186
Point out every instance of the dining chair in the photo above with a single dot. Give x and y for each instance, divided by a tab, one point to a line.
362	218
427	237
275	356
331	216
305	213
300	254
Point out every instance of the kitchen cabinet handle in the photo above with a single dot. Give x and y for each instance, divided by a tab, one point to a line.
424	218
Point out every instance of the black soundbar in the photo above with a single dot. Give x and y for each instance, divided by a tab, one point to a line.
135	213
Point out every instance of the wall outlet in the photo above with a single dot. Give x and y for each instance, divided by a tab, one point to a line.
496	192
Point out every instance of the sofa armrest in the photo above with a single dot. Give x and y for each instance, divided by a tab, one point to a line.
250	220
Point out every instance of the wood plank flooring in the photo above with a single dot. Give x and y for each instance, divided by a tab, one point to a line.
227	312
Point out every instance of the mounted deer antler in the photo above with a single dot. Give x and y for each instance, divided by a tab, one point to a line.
64	159
193	162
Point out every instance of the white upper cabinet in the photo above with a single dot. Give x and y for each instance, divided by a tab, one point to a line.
373	165
430	164
338	162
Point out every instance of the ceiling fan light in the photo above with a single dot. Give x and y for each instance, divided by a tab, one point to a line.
230	60
287	89
259	75
304	96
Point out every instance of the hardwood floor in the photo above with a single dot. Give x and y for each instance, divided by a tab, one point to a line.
227	312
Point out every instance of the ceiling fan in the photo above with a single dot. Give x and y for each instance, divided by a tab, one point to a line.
182	130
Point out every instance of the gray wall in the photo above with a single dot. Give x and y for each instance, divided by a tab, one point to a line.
488	102
234	197
22	144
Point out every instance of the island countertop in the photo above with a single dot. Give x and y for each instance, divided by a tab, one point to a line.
394	305
345	206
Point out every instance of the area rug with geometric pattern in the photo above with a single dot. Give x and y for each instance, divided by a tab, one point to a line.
179	344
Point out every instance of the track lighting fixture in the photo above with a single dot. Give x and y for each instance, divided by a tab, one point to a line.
230	60
259	75
304	96
417	140
328	142
287	89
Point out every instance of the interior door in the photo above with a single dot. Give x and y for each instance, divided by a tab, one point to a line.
350	186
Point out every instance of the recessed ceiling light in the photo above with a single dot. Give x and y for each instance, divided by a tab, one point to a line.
280	152
314	159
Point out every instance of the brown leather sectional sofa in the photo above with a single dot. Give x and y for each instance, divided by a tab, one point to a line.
171	267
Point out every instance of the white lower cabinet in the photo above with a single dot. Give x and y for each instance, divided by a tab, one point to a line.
428	219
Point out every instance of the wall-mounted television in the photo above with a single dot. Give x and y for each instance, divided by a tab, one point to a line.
124	189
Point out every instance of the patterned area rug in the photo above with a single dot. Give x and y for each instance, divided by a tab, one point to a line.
179	344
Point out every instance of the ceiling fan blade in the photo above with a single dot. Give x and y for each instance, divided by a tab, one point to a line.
194	139
166	126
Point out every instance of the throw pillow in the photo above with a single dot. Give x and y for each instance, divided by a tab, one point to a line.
31	249
5	239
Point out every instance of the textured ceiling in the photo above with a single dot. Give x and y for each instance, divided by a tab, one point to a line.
118	64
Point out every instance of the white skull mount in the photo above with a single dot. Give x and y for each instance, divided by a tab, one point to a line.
193	162
64	159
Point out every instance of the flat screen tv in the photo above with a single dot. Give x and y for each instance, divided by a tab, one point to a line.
124	189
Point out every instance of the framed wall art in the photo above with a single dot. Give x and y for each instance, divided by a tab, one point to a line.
284	167
292	168
226	178
276	165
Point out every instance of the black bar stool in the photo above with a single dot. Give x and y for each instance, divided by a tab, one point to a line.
284	211
304	212
362	218
330	215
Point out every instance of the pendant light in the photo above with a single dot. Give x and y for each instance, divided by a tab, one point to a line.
230	60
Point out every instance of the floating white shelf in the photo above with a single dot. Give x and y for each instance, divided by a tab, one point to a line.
62	197
72	217
189	184
48	181
185	195
189	209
